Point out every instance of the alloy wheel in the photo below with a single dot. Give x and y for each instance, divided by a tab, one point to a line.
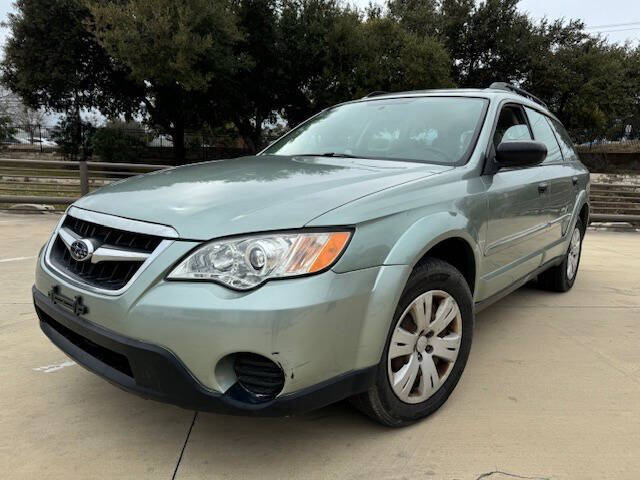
574	254
424	346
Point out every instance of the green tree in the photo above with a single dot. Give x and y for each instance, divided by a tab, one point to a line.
6	128
51	61
590	84
583	79
257	91
320	44
632	75
488	41
119	142
72	135
182	54
421	17
396	59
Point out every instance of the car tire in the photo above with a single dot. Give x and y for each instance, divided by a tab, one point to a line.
562	277
436	286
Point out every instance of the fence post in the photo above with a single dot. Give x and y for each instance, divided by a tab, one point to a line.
84	176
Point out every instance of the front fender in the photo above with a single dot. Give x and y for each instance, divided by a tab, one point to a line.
431	230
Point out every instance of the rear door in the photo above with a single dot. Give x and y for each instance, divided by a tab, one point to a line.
557	176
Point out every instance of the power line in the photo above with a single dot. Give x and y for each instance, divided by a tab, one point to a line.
612	25
619	30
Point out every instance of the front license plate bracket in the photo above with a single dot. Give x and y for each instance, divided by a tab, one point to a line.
74	304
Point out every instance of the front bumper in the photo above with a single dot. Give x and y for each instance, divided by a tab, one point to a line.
154	372
324	331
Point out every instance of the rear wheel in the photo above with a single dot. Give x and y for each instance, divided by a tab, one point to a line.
562	277
427	347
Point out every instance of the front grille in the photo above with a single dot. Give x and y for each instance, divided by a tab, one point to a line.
108	275
115	360
259	375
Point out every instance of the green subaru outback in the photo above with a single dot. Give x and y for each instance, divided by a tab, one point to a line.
347	260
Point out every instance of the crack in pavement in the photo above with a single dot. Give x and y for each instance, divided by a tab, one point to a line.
193	421
14	259
513	475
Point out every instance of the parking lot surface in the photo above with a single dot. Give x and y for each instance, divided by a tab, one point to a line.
551	390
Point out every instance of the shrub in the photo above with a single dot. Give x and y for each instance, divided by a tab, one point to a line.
6	129
113	144
70	138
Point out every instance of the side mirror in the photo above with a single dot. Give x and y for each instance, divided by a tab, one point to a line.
520	154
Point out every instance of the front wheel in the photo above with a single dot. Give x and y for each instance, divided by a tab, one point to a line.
427	347
562	277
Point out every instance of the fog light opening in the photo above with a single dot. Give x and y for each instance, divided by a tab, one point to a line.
261	378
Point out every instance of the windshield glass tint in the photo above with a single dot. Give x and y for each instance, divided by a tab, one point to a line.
428	129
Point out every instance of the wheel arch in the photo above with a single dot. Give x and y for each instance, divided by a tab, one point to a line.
579	211
457	252
583	215
449	237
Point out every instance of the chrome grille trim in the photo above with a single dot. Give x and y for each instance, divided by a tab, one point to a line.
77	282
104	253
122	223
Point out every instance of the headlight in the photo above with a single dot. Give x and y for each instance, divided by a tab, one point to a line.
246	262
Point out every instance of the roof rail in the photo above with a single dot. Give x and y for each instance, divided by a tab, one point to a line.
512	88
375	94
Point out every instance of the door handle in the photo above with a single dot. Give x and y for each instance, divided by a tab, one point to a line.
543	187
574	180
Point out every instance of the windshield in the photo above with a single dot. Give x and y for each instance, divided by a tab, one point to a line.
427	129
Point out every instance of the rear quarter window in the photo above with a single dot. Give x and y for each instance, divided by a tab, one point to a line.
566	145
542	133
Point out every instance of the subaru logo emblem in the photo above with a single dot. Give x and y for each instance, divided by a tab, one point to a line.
81	250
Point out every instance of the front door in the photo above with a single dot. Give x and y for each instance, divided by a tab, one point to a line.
518	217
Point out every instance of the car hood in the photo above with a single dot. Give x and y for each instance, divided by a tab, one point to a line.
250	194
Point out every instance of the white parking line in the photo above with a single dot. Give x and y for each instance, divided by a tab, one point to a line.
15	259
54	367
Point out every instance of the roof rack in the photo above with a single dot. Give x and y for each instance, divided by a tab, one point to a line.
512	88
375	94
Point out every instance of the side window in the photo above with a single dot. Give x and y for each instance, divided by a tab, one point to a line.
512	126
568	150
542	133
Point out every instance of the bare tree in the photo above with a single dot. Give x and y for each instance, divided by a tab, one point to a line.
6	102
16	113
30	120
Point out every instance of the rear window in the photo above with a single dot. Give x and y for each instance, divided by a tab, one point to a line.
566	145
543	133
426	129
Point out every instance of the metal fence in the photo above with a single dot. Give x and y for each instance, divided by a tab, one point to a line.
619	146
124	145
30	138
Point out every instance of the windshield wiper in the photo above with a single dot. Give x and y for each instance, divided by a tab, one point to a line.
327	154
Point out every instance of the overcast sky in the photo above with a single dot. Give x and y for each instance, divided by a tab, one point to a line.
594	13
619	20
